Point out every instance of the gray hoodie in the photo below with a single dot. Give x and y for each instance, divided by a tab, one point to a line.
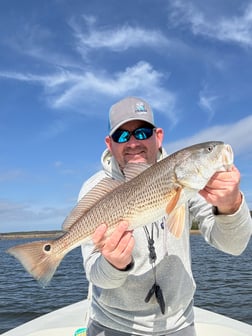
118	297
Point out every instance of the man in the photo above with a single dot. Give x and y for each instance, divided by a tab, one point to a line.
142	283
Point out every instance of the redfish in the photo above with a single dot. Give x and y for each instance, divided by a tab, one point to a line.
148	193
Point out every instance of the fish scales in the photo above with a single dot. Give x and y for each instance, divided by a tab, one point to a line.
126	203
129	201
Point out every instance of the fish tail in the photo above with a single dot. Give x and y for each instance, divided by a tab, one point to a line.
38	259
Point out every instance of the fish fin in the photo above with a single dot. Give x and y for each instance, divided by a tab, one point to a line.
176	221
173	197
134	169
176	218
38	259
101	189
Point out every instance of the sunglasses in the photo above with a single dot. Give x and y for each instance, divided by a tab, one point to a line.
141	133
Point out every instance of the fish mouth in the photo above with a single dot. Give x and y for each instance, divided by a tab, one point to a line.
228	157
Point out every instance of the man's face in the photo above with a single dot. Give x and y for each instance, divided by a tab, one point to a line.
136	150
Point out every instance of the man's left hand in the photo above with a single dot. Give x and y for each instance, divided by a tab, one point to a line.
223	191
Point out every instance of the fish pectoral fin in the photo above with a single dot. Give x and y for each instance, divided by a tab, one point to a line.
101	189
173	199
176	221
176	216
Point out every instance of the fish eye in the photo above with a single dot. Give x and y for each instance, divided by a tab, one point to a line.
210	149
47	247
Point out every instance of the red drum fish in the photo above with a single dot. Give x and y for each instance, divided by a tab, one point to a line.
148	193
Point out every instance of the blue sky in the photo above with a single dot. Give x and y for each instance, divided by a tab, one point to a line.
63	63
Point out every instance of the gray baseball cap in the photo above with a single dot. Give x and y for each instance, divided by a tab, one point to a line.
127	109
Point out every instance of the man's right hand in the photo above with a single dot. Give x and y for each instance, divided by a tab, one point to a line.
116	248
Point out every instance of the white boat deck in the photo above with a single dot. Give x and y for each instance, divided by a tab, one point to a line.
68	320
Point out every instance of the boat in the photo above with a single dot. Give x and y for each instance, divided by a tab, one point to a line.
71	321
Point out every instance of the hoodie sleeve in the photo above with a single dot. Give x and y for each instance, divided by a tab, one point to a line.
228	233
99	271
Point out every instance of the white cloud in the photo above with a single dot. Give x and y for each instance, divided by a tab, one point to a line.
238	135
28	217
207	103
71	91
60	77
117	39
37	42
235	29
11	175
140	79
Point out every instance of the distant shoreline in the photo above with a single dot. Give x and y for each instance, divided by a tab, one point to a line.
43	234
30	234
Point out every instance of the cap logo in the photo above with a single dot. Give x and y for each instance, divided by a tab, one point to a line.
140	108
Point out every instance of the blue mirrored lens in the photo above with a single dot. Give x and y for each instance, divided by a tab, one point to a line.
123	136
143	133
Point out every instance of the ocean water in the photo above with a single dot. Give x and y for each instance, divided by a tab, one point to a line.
224	284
